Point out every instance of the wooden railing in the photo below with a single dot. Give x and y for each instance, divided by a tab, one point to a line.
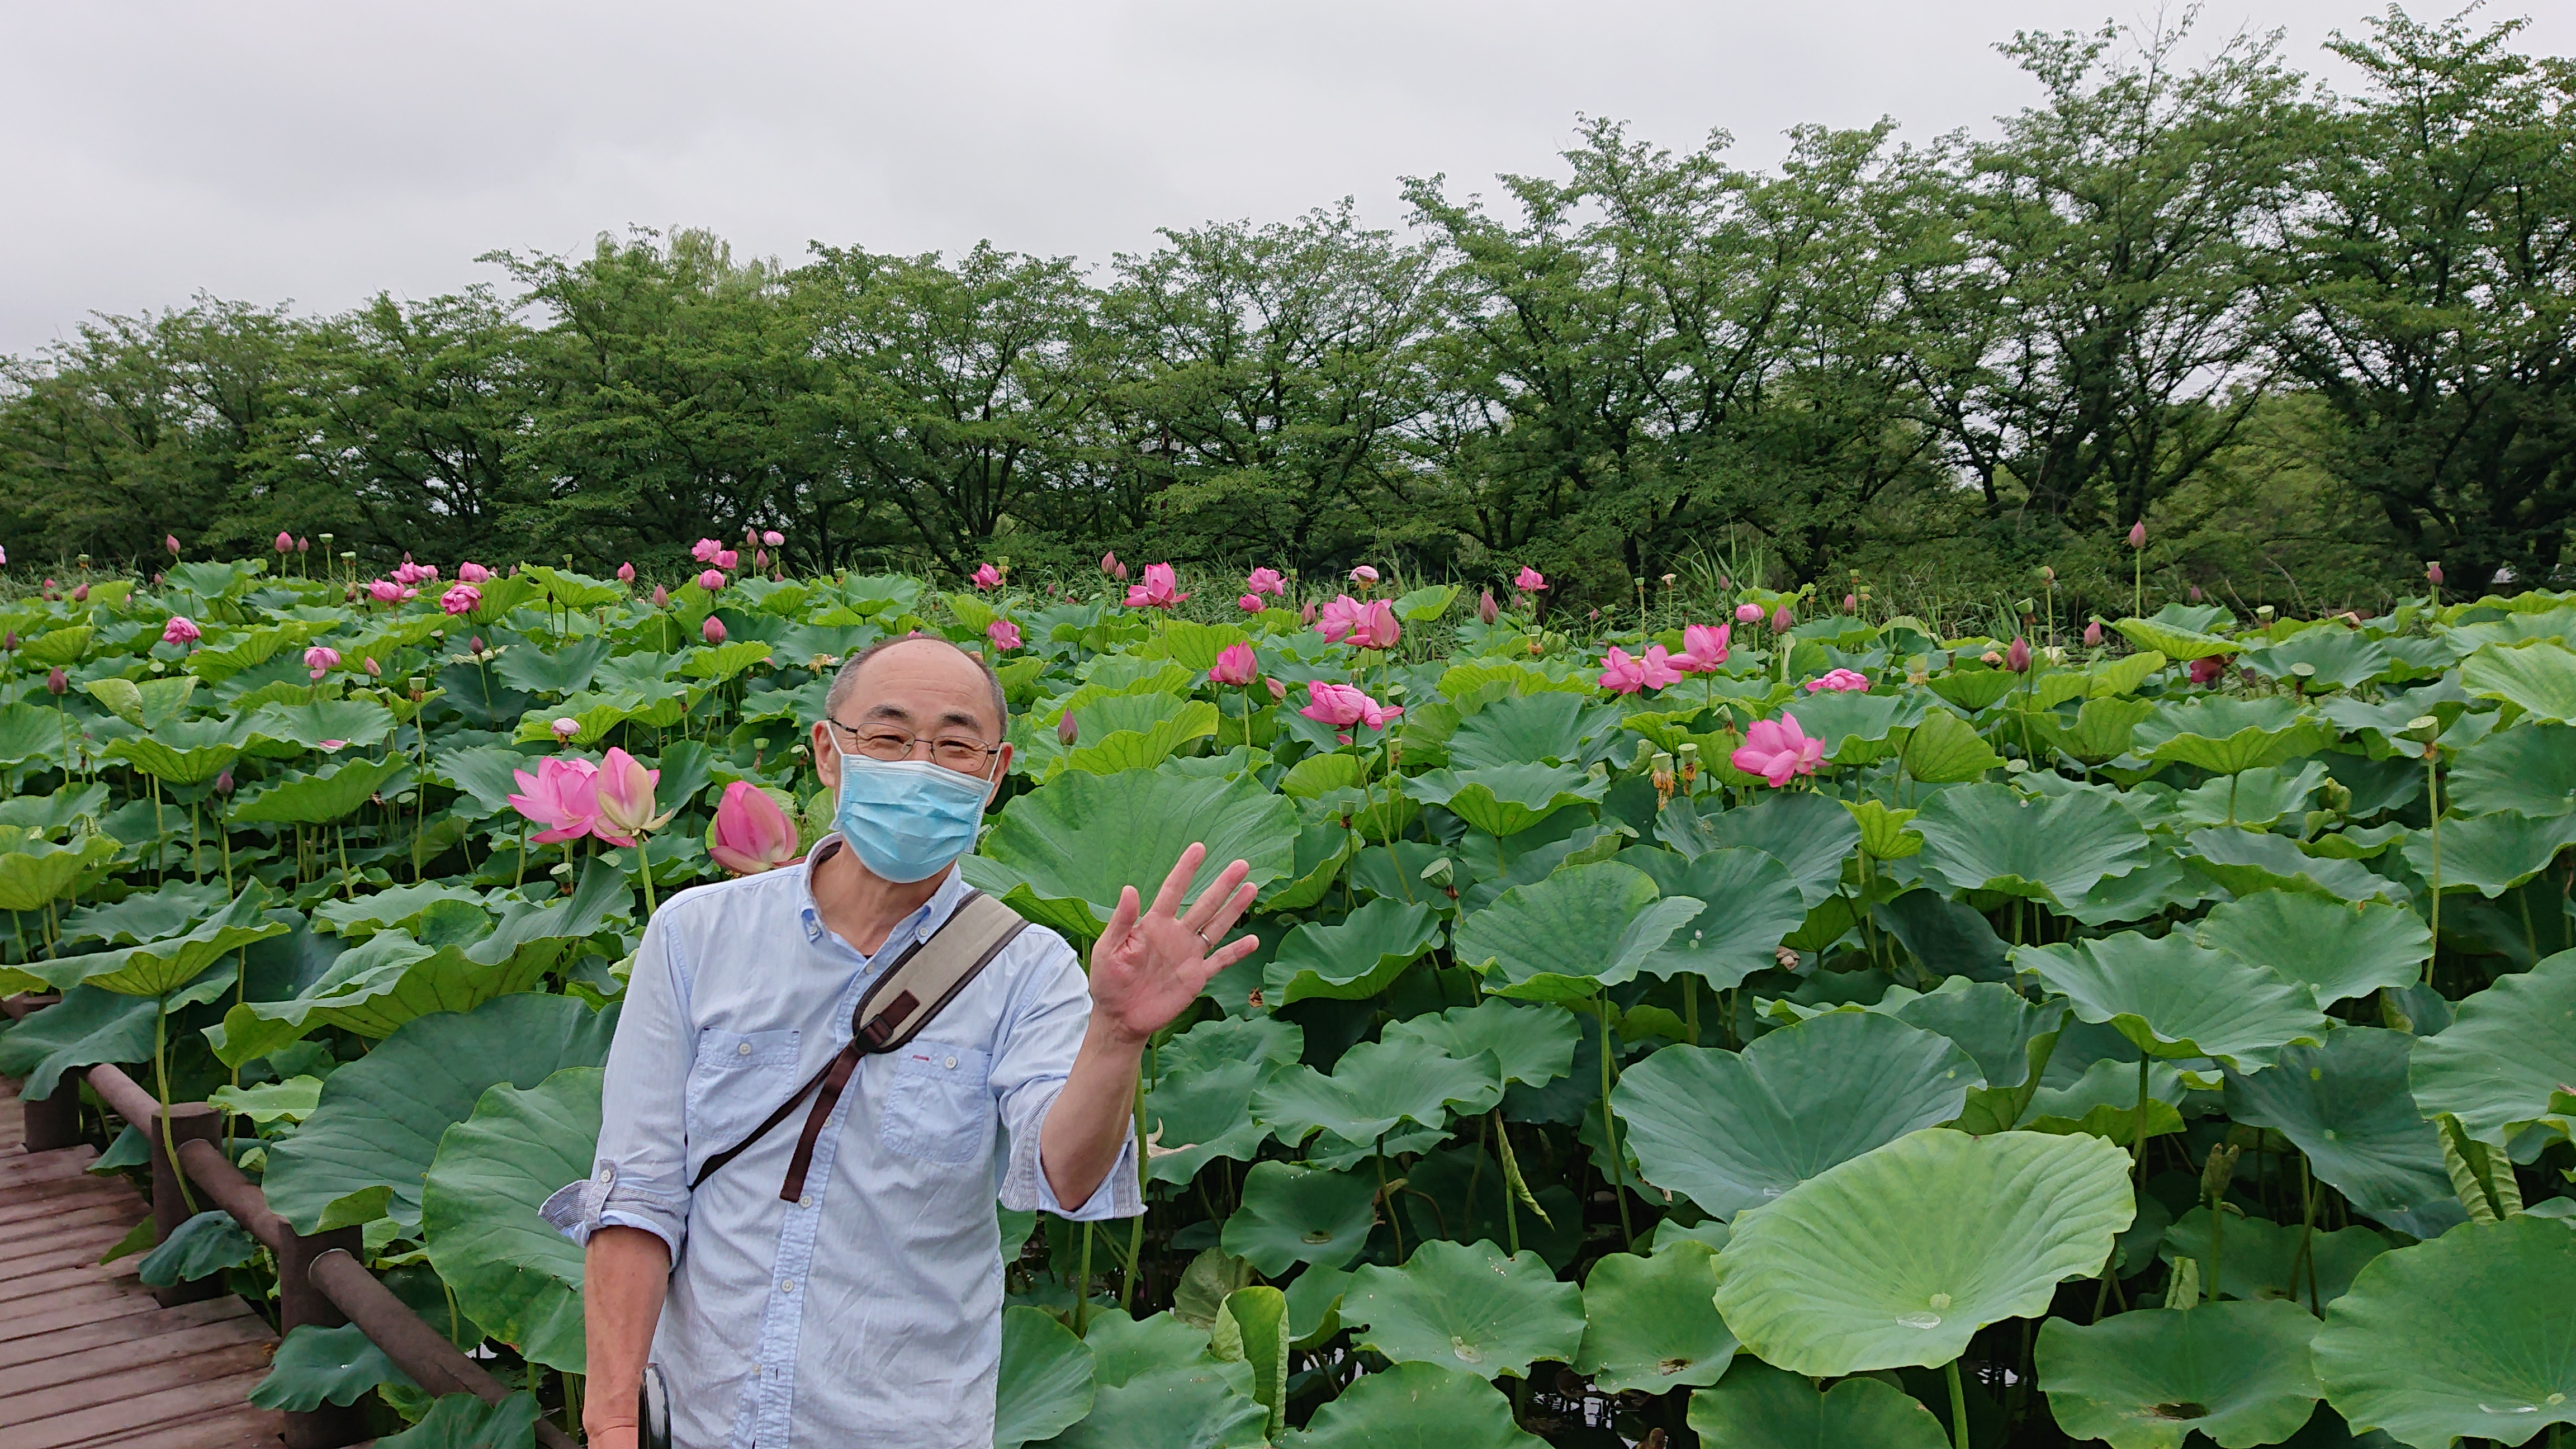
322	1279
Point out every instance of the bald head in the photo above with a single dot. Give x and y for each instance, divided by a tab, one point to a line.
906	678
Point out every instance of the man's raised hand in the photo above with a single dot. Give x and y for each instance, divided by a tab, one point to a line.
1146	969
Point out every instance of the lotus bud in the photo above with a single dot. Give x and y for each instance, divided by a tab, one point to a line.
760	558
2195	593
374	670
56	682
713	630
1851	603
772	537
1066	730
475	645
224	782
1782	619
305	545
285	541
170	541
2093	635
1487	611
9	641
2017	658
2218	1171
1278	691
80	593
2433	573
2138	534
626	573
661	597
564	729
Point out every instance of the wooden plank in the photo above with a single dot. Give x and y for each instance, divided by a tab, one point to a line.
129	1317
37	1287
60	1163
83	1304
54	1259
240	1428
115	1423
108	1360
67	1229
142	1381
42	1199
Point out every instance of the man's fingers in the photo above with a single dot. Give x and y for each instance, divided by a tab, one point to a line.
1167	901
1203	913
1224	956
1121	920
1229	908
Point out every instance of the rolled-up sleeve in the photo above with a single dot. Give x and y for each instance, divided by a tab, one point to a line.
639	1175
1040	1038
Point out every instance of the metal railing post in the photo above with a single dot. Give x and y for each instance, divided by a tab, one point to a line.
188	1121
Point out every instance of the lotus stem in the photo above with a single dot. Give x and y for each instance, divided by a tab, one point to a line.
1082	1287
2433	793
1386	1199
1958	1408
1690	1006
1136	1229
1610	1130
2138	1128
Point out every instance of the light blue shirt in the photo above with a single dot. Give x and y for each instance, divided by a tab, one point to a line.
868	1312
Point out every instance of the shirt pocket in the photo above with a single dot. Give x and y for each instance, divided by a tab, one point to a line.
737	1080
939	1104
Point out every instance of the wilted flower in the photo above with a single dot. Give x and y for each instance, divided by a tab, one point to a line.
1160	590
625	573
987	577
563	795
461	599
751	833
1778	751
1529	580
470	572
1003	633
1265	581
624	789
321	659
180	630
711	580
1703	648
1622	673
1234	665
713	630
1839	681
2206	671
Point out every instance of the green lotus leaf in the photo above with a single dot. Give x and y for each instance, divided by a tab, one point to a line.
1994	1024
1987	837
512	1271
1973	689
1123	1348
1760	1407
1200	1107
1459	1193
1203	1405
722	661
1810	835
2162	883
2101	1101
1415	1406
354	723
182	752
2174	641
2527	770
2254	797
1945	937
2223	735
1429	602
201	1247
1857	727
1752	906
355	920
371	990
28	732
329	794
1252	1328
147	704
1504	800
462	1421
1883	835
2175	998
2236	1372
2261	1259
315	1366
1061	853
35	872
1734	1130
1564	938
1466	1306
1375	1087
2103	728
2338	950
1530	1044
1900	1255
2336	658
291	1100
1293	1215
1944	749
1354	959
1651	1324
2539	678
2505	1061
2490	853
1110	751
2462	1336
86	1027
159	968
376	1132
2347	1105
1551	728
2248	861
59	646
1045	1385
564	669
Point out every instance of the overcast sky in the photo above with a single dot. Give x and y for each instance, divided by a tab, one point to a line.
318	153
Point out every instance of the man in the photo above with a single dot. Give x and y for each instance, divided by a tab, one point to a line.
868	1311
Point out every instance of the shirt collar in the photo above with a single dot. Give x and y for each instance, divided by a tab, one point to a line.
915	927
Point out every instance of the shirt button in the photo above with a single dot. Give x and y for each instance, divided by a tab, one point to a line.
806	1201
952	1064
744	1049
787	1286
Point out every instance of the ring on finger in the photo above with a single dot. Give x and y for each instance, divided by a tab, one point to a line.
1201	933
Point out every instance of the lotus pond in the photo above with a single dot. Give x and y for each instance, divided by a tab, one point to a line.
1826	1032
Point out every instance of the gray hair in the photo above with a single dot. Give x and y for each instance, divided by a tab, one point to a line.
848	677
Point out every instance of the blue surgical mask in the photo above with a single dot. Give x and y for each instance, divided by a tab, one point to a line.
908	819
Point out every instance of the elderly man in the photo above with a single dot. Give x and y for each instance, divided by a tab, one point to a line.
867	1310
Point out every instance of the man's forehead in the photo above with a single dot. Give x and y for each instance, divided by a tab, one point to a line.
918	676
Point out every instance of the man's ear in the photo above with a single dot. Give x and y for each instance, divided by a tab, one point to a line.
1001	772
827	760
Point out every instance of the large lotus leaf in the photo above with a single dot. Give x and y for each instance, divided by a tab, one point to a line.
1899	1256
1252	1328
371	990
182	752
2338	950
146	704
1503	800
2263	1259
329	794
2258	796
1810	835
462	1421
2529	770
1760	1407
1110	751
341	723
1375	1087
201	1247
1061	853
2336	658
1944	749
2223	735
1467	1306
1354	959
2346	1105
1530	1044
2174	640
1735	1130
2237	1372
86	1027
1551	728
1945	937
65	647
2539	677
2247	861
512	1272
2163	883
1651	1324
1293	1215
2101	730
1123	1348
1857	728
1200	1108
367	1147
1563	938
159	968
1994	1024
1752	905
1206	1404
2507	1058
35	872
355	920
2102	1100
28	732
2175	998
315	1366
1987	837
564	669
1046	1384
1415	1406
2465	1335
2490	853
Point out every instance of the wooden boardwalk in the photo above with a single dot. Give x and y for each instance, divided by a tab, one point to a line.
87	1358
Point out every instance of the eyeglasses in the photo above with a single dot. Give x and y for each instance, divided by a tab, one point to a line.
963	753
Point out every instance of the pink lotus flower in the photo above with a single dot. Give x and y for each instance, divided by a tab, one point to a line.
470	572
751	833
408	573
563	796
331	747
1839	681
713	630
1363	575
1342	706
386	591
321	659
462	599
1530	580
1004	634
727	559
1376	627
1234	665
2207	670
1266	581
285	541
1067	730
704	550
1748	613
1306	615
1340	615
625	573
711	580
1249	603
2017	658
987	577
1778	751
2093	635
1159	591
2138	534
181	630
565	727
1851	603
1703	648
772	537
624	789
80	593
1622	673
